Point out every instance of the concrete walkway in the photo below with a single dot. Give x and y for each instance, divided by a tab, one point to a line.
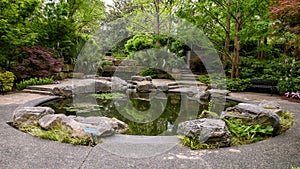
20	150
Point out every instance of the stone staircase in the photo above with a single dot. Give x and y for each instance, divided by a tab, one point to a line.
38	90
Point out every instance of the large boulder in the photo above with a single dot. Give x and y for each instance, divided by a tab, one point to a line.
208	131
269	104
253	114
118	84
84	126
28	116
112	124
145	86
51	121
217	92
88	86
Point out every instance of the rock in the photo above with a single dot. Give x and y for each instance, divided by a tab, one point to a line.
80	126
208	131
103	86
137	78
163	88
51	121
202	95
90	76
253	114
27	116
144	86
218	92
141	78
100	123
118	84
85	86
269	104
148	78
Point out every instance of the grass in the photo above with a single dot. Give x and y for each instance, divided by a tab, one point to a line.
59	133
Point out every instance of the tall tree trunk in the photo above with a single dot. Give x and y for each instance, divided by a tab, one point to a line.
227	37
236	55
157	10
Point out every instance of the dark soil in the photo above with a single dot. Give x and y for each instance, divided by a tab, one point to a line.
290	99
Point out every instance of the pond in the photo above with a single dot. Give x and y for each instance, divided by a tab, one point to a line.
145	114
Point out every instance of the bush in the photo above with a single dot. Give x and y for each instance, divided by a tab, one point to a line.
33	81
150	72
40	63
238	85
7	80
139	42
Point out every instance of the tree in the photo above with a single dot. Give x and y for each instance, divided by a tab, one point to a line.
66	25
216	18
286	14
15	32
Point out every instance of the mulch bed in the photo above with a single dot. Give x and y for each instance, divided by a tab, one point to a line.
290	99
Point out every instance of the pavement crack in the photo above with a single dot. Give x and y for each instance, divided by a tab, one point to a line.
85	159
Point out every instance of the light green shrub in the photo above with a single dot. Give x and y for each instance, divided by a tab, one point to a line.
7	80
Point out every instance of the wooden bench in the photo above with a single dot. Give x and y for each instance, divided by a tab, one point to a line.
264	84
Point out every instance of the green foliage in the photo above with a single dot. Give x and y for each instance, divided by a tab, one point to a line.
286	120
7	80
139	42
204	79
150	72
33	81
231	84
59	133
238	84
15	28
290	79
209	114
194	144
244	133
105	96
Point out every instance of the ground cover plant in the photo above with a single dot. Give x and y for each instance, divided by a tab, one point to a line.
241	133
33	81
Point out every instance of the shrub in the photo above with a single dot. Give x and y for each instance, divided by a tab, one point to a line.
150	72
33	81
139	42
40	63
238	85
7	80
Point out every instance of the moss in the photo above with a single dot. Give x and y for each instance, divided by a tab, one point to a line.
59	133
209	114
286	121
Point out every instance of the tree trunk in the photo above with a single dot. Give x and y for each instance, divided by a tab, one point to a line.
236	55
227	38
157	10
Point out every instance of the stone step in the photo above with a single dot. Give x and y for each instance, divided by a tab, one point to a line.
37	92
40	88
190	75
175	87
189	79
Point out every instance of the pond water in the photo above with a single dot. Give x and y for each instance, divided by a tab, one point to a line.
145	115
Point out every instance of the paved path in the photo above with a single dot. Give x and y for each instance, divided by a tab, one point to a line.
20	150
